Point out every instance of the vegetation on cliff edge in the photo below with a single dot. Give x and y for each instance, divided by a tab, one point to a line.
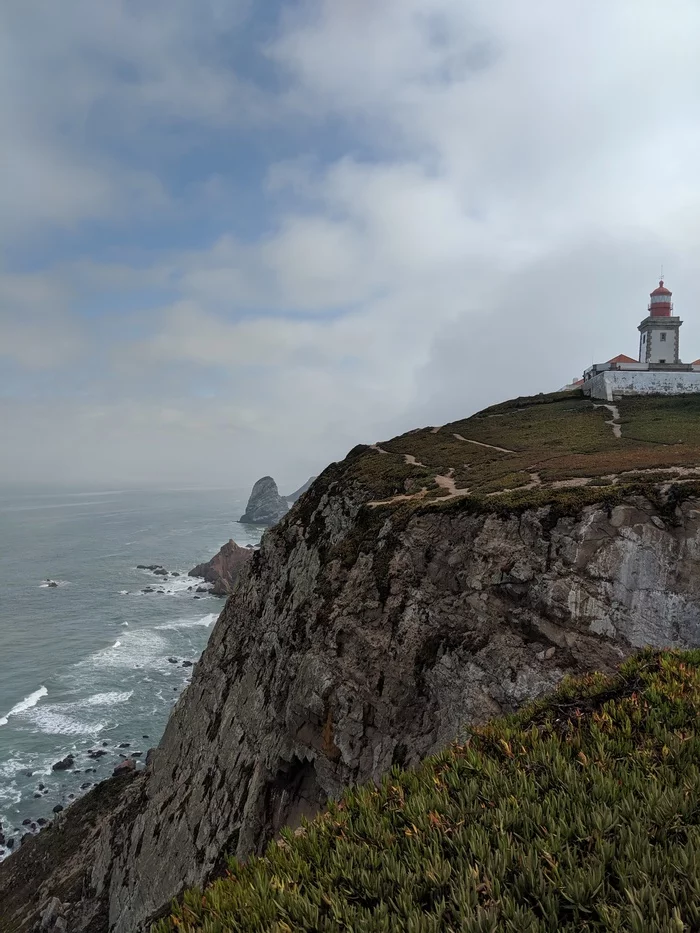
537	449
581	813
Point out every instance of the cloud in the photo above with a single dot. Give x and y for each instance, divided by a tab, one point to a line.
284	234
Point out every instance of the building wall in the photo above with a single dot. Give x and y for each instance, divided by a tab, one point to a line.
654	349
616	384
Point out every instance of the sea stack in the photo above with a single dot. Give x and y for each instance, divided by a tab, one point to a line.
265	506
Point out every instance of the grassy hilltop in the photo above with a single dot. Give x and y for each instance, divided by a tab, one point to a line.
581	813
539	449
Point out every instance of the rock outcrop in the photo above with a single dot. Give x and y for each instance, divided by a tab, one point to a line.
224	568
336	658
383	614
265	506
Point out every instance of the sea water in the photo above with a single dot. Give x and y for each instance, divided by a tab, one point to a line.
95	663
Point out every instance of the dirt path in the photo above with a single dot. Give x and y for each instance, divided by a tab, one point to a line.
400	498
448	483
614	421
411	461
503	450
379	449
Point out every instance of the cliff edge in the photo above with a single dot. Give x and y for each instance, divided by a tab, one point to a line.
423	584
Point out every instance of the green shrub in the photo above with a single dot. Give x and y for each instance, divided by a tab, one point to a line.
581	813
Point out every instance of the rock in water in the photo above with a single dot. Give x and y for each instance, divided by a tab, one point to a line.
64	764
265	506
224	568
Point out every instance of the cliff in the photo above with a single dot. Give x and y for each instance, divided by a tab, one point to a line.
422	585
224	568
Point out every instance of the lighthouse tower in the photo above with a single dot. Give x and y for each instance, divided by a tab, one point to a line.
660	330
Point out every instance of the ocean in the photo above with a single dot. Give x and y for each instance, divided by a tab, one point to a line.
94	663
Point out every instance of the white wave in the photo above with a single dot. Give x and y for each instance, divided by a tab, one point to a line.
203	621
25	704
9	793
54	721
125	623
9	769
106	699
117	644
137	649
123	592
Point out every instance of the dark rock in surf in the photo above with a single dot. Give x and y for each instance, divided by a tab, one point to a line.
64	764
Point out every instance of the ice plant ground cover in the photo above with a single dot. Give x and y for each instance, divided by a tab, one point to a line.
580	813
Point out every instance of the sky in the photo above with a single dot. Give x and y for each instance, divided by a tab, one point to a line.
239	239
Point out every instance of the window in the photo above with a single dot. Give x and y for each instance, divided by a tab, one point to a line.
662	361
663	338
644	338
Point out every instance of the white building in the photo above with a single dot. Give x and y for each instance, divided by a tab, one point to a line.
658	371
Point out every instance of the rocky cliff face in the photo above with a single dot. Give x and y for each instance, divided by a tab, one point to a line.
358	637
265	506
224	568
298	493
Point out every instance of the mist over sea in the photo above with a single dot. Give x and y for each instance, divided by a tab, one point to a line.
85	665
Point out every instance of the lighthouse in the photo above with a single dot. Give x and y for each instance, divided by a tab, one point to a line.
660	330
658	371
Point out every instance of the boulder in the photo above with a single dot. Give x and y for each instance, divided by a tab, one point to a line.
57	809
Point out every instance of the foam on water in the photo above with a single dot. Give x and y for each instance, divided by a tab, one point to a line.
203	621
54	721
138	649
74	718
106	699
25	704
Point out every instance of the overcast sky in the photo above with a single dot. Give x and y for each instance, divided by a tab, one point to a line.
236	242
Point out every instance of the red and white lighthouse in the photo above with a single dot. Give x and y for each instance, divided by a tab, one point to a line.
660	330
660	304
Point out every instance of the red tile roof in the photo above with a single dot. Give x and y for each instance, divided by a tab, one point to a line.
621	358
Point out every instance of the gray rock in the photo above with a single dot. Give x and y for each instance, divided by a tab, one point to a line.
64	765
265	506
